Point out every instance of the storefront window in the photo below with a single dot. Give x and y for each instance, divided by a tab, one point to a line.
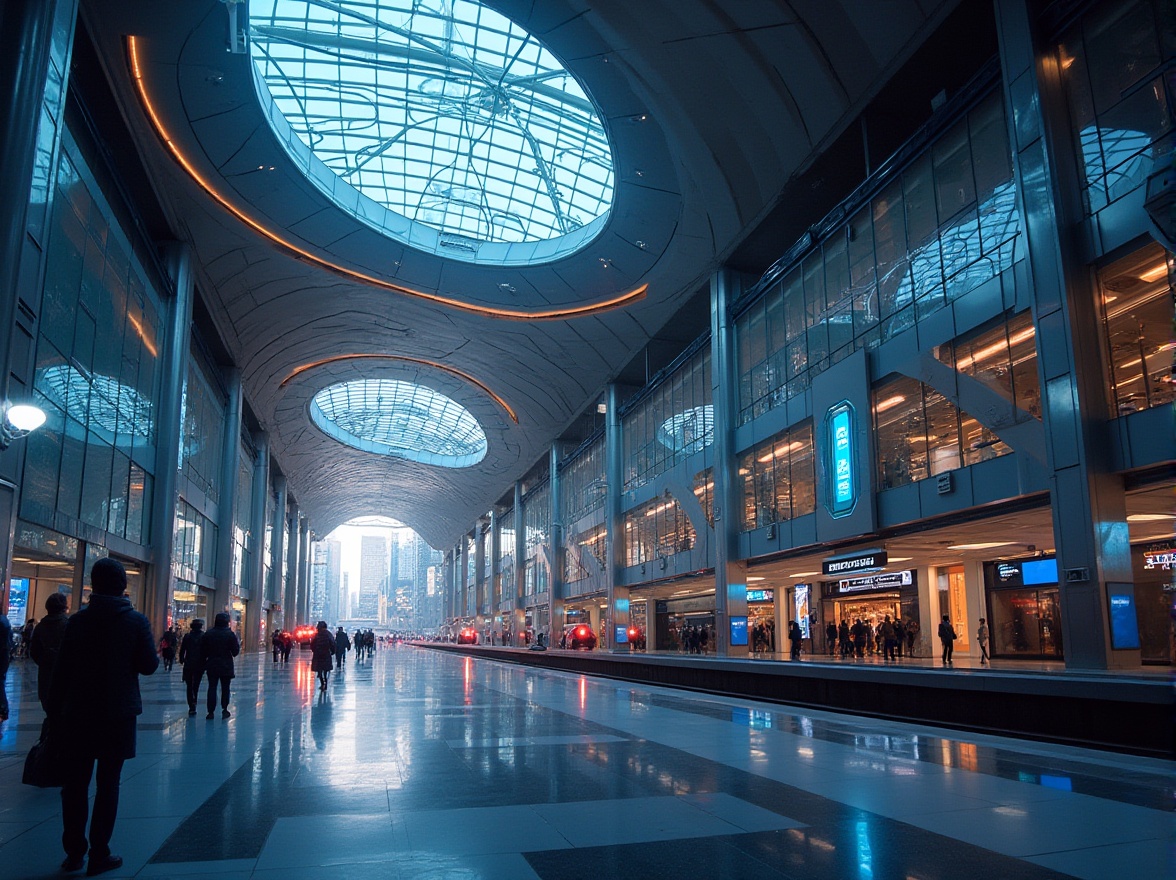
947	224
778	478
583	487
1154	569
585	554
704	491
504	565
1137	298
203	420
953	602
537	532
1024	608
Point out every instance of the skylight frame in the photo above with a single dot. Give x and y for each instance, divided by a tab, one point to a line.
495	198
400	419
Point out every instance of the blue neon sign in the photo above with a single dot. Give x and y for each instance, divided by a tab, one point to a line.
839	425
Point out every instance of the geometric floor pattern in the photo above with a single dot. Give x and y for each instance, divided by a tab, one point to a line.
417	764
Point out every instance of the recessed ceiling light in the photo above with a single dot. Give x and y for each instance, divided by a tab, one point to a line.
1150	517
750	579
982	546
803	574
900	559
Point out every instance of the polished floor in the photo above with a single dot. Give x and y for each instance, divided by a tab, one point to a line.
428	766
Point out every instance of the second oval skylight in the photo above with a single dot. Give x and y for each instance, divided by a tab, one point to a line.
446	113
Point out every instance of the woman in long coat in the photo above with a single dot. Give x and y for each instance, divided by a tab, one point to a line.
322	654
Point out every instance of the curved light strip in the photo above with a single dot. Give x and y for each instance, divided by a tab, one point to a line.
256	226
453	371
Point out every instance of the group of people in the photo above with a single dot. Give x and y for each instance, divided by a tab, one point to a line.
206	655
695	638
763	637
891	638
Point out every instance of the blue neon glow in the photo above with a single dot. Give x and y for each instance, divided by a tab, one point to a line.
843	494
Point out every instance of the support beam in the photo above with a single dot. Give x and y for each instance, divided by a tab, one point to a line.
617	617
255	617
226	506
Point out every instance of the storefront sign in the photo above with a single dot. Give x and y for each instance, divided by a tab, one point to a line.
760	595
801	595
864	560
839	436
18	597
889	581
1160	556
1008	572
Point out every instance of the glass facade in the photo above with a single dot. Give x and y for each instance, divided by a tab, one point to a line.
1138	316
504	565
537	536
96	369
1112	66
243	538
587	546
1003	358
448	114
943	227
779	478
203	431
583	488
672	422
657	530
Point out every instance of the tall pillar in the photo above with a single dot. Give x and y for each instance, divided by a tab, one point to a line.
556	555
495	552
304	572
257	593
279	592
293	552
174	370
614	469
30	59
481	606
730	571
226	506
1087	498
519	622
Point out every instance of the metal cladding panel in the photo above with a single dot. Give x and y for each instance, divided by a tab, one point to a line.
844	387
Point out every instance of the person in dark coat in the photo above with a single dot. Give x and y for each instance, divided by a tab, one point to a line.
322	654
5	659
93	703
795	639
46	644
342	646
167	648
192	661
220	646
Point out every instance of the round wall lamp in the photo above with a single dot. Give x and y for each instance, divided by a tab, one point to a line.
20	419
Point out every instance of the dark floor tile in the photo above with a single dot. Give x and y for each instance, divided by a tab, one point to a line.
709	858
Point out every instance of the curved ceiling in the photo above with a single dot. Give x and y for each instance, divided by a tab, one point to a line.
711	108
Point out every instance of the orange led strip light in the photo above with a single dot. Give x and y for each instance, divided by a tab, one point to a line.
453	371
486	311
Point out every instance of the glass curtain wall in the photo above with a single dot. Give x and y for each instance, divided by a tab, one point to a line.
1138	316
505	564
193	557
657	530
203	427
945	225
537	531
243	538
779	478
670	423
1113	68
583	494
96	368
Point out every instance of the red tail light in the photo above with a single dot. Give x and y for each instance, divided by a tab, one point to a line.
581	632
632	632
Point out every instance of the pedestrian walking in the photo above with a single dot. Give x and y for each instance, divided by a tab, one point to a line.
192	662
168	644
794	639
322	654
5	659
220	646
831	638
342	646
982	641
44	647
94	702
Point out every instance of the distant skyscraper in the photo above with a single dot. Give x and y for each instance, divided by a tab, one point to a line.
326	601
373	574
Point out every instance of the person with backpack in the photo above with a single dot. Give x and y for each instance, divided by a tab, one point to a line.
220	646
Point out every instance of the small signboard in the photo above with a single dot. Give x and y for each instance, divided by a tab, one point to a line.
889	581
851	563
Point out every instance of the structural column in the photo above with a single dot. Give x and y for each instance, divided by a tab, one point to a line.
730	572
174	369
257	598
290	618
556	554
519	622
617	617
1087	497
226	506
480	603
280	592
304	572
495	552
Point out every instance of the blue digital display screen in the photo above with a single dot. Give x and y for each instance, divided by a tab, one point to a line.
739	630
622	635
1039	571
843	494
1124	624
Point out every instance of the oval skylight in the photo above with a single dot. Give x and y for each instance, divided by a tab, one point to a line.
402	419
443	112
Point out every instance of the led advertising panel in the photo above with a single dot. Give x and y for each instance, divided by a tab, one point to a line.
1124	623
1039	571
843	492
739	630
801	596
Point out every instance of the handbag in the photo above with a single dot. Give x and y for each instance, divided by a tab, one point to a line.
42	767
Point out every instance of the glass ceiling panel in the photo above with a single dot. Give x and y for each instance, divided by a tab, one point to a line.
442	111
401	419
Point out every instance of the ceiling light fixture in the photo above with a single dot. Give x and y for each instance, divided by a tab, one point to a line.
986	545
1149	517
1155	273
556	314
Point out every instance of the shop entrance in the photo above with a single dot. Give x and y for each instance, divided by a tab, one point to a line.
692	632
871	610
1026	623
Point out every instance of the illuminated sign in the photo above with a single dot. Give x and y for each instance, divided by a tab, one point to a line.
889	581
801	597
1160	556
1124	624
622	634
863	560
739	630
760	595
839	425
